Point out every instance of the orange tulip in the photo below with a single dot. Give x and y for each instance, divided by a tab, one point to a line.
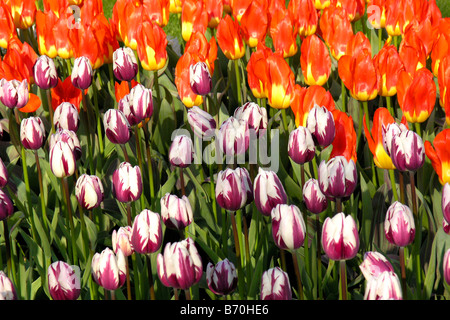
23	12
238	8
157	11
176	6
86	44
344	143
281	82
322	4
276	11
126	17
187	96
444	87
214	8
399	13
123	88
229	38
44	31
358	42
413	57
257	71
66	92
151	46
387	62
421	32
202	49
376	13
254	24
441	46
7	28
315	61
18	61
354	8
284	37
440	155
305	16
194	17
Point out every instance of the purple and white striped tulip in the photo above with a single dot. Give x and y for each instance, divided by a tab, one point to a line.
89	191
288	227
231	189
389	132
62	159
176	213
6	206
234	136
7	290
181	151
66	116
141	102
315	201
202	123
127	182
374	264
125	65
268	191
340	239
200	78
45	74
446	226
407	151
399	225
146	232
63	281
69	137
14	93
445	202
384	287
124	105
446	266
4	176
222	277
121	240
108	269
180	265
320	123
275	285
117	128
32	133
82	73
337	177
255	116
301	147
247	181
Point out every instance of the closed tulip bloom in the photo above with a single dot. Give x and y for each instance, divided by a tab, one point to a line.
374	264
389	65
121	240
446	266
407	151
200	78
14	93
320	123
340	239
116	125
439	155
62	159
176	213
275	285
315	61
255	116
127	182
258	72
444	86
66	116
268	191
222	277
181	152
305	16
344	142
180	265
124	106
315	201
32	133
109	269
141	102
82	73
288	227
389	131
254	23
89	191
231	190
229	38
45	74
445	202
146	232
384	287
284	34
337	177
201	122
6	206
69	137
7	290
125	65
234	136
281	82
301	147
399	225
3	174
63	282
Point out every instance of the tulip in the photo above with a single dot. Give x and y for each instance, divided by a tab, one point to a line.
444	86
301	147
194	18
89	191
14	93
7	290
7	27
439	155
288	227
66	92
32	133
257	71
222	277
239	8
389	131
127	182
384	287
182	81
69	137
374	264
6	206
234	136
344	142
337	177
268	191
281	82
109	269
180	265
23	13
399	225
45	73
125	65
315	201
141	100
231	189
445	202
116	125
82	73
66	116
124	106
121	240
176	213
247	183
3	174
275	285
389	65
215	12
441	47
254	115
320	123
62	159
151	45
340	239
200	78
414	57
146	232
305	16
446	266
315	61
181	152
254	24
202	123
284	36
407	151
229	38
63	282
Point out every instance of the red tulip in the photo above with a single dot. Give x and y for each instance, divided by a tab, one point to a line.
388	64
229	38
344	142
284	37
194	17
7	28
281	82
444	86
257	71
254	24
151	46
440	155
305	16
315	61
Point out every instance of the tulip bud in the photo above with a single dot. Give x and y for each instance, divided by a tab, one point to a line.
125	65
89	191
374	264
7	290
399	225
32	133
125	107
268	191
301	147
141	102
116	125
340	239
181	152
121	240
384	287
62	159
445	202
200	78
14	93
66	116
146	232
180	265
389	132
6	206
275	285
407	151
255	116
288	227
109	269
231	190
127	182
202	123
63	282
320	123
222	277
3	174
446	266
45	74
314	199
69	137
82	73
234	136
176	213
337	177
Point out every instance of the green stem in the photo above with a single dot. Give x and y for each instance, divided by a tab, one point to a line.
297	274
403	271
389	105
139	155
149	163
238	256
319	260
70	217
238	81
393	184
343	278
88	132
42	196
150	277
9	261
26	179
418	239
213	193
285	123
344	96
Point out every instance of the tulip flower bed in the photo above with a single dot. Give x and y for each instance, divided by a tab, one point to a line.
270	151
